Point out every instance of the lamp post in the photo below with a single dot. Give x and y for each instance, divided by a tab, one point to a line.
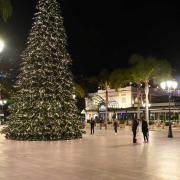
169	87
2	102
106	101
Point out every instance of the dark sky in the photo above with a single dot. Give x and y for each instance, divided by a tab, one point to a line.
104	34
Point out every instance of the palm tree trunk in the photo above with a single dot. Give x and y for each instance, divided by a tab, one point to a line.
106	106
138	100
147	101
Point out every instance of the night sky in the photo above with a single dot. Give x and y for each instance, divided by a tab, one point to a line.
105	34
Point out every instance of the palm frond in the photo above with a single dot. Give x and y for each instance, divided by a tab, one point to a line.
5	9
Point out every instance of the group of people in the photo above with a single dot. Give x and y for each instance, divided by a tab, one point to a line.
144	127
135	124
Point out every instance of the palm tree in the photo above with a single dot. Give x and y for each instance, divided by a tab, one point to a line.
106	80
145	69
5	9
6	88
79	90
79	95
119	78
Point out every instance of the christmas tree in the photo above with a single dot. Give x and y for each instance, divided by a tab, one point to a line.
44	107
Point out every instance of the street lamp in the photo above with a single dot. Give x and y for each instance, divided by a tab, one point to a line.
169	87
2	103
1	45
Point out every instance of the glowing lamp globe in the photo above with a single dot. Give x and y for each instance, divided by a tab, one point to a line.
1	45
174	84
163	85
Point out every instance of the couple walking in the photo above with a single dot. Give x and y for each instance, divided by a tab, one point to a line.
145	130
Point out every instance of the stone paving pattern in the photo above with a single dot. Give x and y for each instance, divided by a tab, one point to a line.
102	156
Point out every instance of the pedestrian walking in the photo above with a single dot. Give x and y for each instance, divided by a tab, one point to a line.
145	130
135	124
92	124
115	124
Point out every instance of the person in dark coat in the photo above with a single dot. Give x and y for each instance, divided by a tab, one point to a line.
92	123
115	124
145	130
135	124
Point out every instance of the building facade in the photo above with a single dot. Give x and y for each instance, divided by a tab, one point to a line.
123	104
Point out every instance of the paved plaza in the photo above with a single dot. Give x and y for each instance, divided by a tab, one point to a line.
103	156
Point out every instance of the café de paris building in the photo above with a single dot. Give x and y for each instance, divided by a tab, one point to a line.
123	102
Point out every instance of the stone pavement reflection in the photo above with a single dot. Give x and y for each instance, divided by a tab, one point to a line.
103	156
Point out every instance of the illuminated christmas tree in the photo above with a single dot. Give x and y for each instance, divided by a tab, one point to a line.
44	107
